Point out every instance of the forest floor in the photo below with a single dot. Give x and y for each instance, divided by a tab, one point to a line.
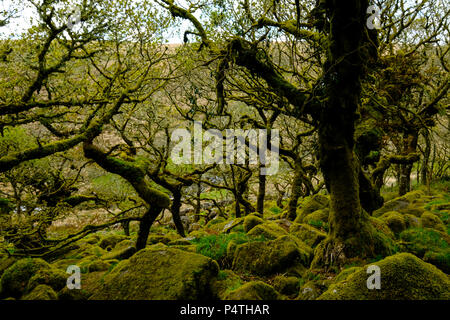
253	258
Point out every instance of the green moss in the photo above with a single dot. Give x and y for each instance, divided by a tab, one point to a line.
225	226
344	274
284	254
54	278
215	221
255	290
403	277
421	240
318	215
308	234
227	282
374	239
110	241
15	279
430	220
120	253
98	265
411	221
395	221
310	205
310	290
41	292
160	273
269	230
251	221
288	286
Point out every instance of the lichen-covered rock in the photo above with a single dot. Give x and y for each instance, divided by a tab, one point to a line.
311	204
430	220
251	221
41	292
15	279
395	221
54	278
288	286
268	230
255	290
160	273
308	234
400	203
403	277
110	240
269	257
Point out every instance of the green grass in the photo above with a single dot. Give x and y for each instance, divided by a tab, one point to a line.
215	246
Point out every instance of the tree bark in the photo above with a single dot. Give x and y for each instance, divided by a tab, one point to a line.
175	210
261	194
296	190
351	234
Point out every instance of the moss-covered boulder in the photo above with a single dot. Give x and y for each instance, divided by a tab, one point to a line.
310	205
160	273
403	277
73	295
344	274
310	291
224	226
5	263
54	278
412	221
159	238
318	215
251	221
110	240
430	220
308	234
395	221
14	280
264	258
429	244
227	282
120	254
98	265
41	292
399	203
288	286
420	240
255	290
269	230
439	258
